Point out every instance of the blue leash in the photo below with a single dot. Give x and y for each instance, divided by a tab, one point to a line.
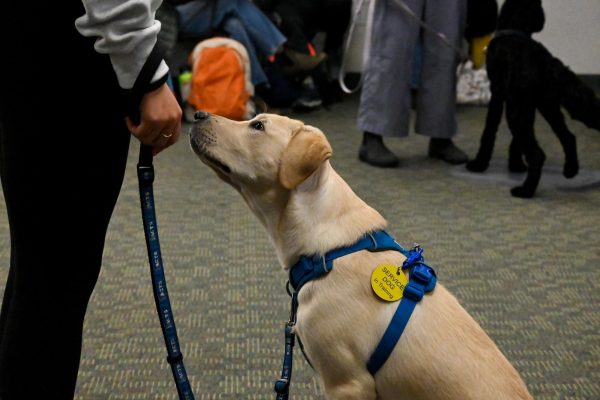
145	171
282	385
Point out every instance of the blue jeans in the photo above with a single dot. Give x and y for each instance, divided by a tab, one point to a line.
242	21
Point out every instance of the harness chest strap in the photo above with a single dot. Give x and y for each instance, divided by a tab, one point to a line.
422	279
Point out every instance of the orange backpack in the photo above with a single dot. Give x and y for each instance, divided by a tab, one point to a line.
221	79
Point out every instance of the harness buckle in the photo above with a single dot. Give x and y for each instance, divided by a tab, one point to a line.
415	255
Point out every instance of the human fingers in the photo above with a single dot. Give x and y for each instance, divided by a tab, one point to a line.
162	140
161	116
146	132
167	140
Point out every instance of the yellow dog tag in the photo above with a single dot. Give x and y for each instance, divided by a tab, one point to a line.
387	284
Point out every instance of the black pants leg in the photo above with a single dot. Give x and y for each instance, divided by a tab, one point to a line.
63	150
57	237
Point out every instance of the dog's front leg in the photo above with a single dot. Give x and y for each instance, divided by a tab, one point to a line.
349	384
488	138
341	368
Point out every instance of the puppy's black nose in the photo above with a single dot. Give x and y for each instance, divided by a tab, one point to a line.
201	115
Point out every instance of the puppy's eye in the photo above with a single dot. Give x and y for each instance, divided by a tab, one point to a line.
258	126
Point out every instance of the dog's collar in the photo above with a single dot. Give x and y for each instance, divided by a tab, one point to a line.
310	267
511	32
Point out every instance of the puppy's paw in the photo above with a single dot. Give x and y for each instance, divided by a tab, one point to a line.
477	165
522	192
571	169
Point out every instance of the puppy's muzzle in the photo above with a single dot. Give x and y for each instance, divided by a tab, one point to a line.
201	134
202	137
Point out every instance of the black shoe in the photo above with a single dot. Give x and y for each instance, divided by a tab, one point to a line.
446	150
374	152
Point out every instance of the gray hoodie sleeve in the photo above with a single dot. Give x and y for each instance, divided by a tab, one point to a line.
126	31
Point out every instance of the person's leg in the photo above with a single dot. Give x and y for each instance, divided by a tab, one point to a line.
265	36
58	219
436	99
236	30
385	98
62	161
196	19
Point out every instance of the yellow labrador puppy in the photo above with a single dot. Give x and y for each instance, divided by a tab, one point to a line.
280	167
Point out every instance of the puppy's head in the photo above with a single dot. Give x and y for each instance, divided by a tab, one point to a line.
266	152
522	15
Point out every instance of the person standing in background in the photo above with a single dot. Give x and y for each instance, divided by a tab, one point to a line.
64	139
386	95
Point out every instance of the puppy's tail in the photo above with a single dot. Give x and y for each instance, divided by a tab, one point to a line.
578	98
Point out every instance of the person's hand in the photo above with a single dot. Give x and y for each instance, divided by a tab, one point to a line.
160	123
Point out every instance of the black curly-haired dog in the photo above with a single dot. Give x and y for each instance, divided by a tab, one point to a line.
525	76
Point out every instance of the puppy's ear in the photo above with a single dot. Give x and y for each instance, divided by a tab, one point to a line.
305	152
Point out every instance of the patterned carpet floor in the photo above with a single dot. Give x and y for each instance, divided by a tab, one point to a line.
527	270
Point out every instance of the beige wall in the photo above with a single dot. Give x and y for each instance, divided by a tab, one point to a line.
572	33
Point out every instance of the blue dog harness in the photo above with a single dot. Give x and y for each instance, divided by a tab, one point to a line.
422	279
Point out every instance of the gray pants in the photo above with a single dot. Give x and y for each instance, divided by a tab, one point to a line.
385	98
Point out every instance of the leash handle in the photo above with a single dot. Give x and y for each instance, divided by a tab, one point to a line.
145	171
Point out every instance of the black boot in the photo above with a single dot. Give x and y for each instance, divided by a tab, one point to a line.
446	150
373	151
